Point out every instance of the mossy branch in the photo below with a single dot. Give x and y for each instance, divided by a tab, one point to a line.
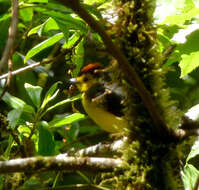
60	162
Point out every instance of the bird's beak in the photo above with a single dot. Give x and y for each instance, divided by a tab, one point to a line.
73	81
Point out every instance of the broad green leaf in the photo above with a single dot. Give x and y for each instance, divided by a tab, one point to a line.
69	21
26	14
194	151
43	45
64	102
34	93
14	116
93	10
50	94
48	25
68	44
66	120
189	176
17	103
189	63
180	19
78	58
46	144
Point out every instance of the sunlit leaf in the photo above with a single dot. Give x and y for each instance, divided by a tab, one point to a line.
189	176
78	58
66	120
48	25
26	14
50	94
64	102
34	93
189	63
43	45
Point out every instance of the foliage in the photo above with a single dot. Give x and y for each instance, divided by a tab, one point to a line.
47	121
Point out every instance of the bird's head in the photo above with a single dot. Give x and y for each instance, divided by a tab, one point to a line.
88	76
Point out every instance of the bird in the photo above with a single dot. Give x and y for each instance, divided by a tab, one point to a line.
102	97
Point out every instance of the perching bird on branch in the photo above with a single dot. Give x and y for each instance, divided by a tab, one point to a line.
102	98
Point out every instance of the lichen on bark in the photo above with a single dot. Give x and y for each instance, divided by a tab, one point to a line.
153	162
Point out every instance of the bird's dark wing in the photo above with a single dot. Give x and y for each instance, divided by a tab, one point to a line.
108	97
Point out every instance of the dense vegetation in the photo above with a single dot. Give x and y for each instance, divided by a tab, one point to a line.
43	43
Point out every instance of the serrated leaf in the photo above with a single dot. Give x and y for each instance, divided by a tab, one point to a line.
78	58
46	144
13	117
43	45
189	63
50	94
66	120
34	93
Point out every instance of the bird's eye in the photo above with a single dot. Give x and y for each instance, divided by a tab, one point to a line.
85	79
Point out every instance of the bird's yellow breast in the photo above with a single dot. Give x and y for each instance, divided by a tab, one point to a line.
104	119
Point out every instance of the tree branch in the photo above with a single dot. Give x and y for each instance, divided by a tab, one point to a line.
100	149
11	36
130	73
60	162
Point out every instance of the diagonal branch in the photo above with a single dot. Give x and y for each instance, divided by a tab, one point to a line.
60	162
132	76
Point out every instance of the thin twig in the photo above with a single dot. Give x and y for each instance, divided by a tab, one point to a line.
44	62
7	83
160	127
60	162
11	35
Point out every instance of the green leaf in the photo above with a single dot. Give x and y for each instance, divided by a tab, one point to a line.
93	10
78	58
6	154
17	103
46	144
194	151
66	120
68	44
50	94
180	19
34	93
64	102
26	14
49	24
189	176
189	63
43	45
13	117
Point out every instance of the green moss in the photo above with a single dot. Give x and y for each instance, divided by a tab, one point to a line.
150	159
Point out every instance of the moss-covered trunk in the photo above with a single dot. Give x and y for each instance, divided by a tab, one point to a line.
153	160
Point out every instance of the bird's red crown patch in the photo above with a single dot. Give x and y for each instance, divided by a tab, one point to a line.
90	67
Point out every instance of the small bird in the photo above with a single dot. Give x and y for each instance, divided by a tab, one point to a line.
102	98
